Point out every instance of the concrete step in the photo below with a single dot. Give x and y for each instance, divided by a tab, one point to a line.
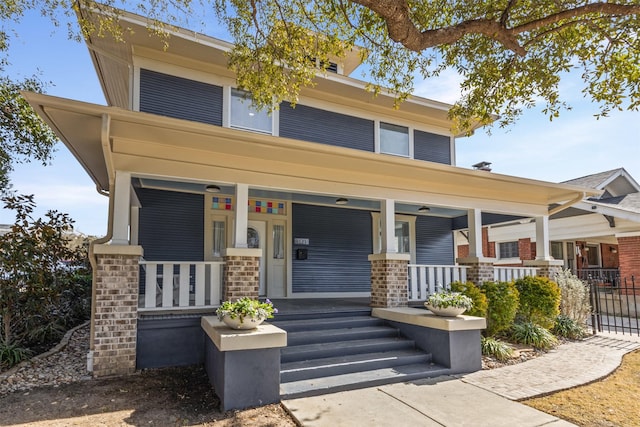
344	364
342	334
306	315
352	381
315	323
324	350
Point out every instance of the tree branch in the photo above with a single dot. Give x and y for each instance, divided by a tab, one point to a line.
402	29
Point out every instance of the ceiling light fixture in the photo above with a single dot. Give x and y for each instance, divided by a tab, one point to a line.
424	209
212	188
341	201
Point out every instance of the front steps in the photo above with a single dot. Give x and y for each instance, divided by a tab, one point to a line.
329	352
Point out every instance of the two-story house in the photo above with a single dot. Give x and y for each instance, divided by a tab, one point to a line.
210	199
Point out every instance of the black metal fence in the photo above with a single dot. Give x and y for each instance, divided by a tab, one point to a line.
615	305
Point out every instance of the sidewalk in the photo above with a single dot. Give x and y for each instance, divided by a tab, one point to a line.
484	398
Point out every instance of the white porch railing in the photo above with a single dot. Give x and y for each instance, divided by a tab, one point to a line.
507	274
180	284
427	279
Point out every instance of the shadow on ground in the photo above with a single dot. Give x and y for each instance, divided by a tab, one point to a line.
160	397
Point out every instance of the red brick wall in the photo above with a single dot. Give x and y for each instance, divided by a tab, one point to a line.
609	258
463	251
524	249
488	248
629	257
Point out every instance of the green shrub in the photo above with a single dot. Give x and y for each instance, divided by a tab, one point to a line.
568	328
539	301
531	334
496	348
11	354
475	293
502	298
574	297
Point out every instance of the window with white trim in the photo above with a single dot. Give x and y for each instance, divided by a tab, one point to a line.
557	250
244	115
509	250
405	234
394	140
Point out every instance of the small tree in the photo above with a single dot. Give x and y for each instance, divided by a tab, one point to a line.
37	270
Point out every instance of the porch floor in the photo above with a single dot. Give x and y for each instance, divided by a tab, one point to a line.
320	305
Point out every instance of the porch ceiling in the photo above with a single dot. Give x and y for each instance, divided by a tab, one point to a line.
153	146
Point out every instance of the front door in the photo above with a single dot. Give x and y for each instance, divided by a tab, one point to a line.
257	239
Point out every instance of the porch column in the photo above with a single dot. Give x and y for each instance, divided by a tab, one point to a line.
480	269
629	259
388	225
242	264
389	269
115	310
121	208
543	247
474	219
544	262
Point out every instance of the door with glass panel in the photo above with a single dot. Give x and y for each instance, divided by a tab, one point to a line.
276	260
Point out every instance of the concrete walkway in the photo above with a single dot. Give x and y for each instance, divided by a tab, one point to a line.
484	398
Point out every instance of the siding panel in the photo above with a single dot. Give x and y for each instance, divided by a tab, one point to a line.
326	127
434	240
431	147
340	242
171	225
180	98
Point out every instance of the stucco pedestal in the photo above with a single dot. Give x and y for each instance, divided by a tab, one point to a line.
243	365
453	342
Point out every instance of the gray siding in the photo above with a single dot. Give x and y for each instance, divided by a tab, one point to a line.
326	127
171	225
434	240
169	342
339	245
431	147
180	98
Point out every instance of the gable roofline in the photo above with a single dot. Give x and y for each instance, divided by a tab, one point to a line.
114	63
600	180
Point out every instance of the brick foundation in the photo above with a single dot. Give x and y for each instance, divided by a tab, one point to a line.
389	280
547	269
479	271
241	273
115	312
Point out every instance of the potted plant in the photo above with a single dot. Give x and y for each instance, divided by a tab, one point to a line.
448	303
245	313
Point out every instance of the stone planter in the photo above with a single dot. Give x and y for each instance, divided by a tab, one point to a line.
445	312
246	323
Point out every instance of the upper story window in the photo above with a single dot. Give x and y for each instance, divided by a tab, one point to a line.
509	250
244	115
394	140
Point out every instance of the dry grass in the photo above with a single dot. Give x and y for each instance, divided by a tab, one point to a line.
612	401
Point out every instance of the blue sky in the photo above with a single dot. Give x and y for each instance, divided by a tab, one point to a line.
573	145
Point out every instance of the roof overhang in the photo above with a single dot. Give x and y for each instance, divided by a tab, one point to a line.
105	139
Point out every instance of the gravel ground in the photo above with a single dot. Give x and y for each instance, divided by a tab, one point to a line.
66	365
